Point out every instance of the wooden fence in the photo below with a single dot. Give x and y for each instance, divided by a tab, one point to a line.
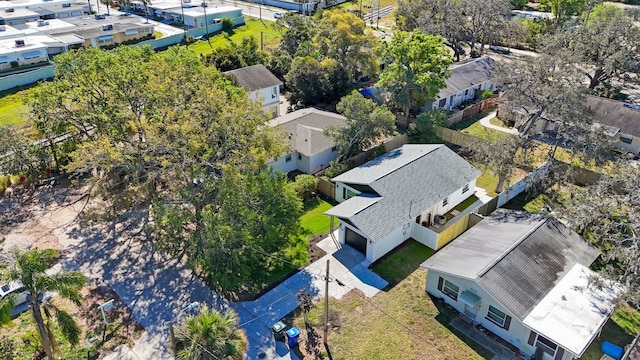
455	137
326	188
473	110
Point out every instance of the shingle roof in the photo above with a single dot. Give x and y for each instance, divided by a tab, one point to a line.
522	274
255	77
304	129
408	180
615	114
467	75
355	205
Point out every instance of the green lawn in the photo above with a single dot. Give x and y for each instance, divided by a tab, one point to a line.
402	261
620	329
400	323
314	221
12	108
272	34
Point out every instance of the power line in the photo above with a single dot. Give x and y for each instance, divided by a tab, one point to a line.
364	297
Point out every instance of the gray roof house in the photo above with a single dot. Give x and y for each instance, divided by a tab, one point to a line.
399	195
467	82
261	85
309	149
525	278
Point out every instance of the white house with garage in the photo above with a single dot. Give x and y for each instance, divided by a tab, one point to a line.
402	194
309	149
261	85
467	82
526	278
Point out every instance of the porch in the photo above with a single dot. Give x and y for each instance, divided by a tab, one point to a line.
500	348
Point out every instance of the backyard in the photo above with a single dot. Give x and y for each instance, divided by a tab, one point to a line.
12	108
402	322
271	36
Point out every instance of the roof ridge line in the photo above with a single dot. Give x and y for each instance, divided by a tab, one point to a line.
410	162
495	261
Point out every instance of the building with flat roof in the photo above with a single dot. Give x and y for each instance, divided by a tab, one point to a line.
21	52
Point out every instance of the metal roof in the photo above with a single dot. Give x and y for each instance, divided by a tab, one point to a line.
516	257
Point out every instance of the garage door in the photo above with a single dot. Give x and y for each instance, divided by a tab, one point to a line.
356	241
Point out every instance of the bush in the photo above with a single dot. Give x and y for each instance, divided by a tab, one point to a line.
7	349
336	168
305	186
227	25
487	94
14	64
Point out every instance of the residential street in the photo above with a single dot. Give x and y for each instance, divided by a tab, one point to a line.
157	289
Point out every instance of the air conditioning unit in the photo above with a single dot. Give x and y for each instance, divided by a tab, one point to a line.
107	27
10	10
440	219
66	5
41	23
19	43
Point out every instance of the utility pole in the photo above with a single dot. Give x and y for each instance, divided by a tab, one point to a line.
378	19
361	14
326	306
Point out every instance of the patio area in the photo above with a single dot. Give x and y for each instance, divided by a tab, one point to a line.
482	336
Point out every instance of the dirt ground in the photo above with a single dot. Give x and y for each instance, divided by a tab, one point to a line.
39	217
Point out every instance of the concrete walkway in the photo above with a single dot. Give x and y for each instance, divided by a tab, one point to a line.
486	122
500	351
346	273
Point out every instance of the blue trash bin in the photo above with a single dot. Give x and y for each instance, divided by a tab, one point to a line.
292	337
612	350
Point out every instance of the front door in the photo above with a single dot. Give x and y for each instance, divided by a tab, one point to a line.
470	312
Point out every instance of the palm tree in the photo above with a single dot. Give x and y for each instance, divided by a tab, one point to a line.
29	268
210	335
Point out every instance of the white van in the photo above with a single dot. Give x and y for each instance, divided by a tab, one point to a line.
14	287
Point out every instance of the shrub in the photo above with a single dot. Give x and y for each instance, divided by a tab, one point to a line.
305	185
487	94
7	349
227	25
14	64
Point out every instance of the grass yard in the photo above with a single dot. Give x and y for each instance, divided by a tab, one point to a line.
476	129
401	323
620	329
272	34
394	268
314	221
12	108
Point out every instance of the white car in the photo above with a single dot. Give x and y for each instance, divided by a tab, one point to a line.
14	287
278	15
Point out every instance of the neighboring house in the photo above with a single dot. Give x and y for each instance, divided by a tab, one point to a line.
16	16
467	82
197	17
526	279
21	52
310	150
115	33
619	120
261	85
400	195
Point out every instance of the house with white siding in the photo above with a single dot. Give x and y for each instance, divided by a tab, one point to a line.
400	195
20	52
310	150
467	82
526	278
261	85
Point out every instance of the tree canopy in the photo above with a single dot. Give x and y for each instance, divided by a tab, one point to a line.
170	132
416	67
366	124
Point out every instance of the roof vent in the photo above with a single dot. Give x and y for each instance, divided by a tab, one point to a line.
42	23
10	10
107	27
19	43
66	5
99	17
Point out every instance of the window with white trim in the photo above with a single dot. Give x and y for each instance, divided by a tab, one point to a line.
546	345
288	158
450	289
496	316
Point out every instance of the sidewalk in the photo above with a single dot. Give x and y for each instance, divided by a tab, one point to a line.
486	122
346	272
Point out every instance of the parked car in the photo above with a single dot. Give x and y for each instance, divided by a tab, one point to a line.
278	15
14	287
500	49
